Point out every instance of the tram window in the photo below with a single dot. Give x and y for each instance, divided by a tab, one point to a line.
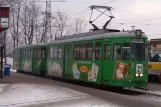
146	52
22	54
98	51
48	53
59	53
76	52
35	53
107	52
126	51
39	53
25	53
29	51
83	52
55	52
117	52
89	54
42	53
51	52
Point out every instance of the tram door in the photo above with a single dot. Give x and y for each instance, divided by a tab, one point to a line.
68	61
107	62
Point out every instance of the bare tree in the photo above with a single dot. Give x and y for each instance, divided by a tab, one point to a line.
4	2
29	21
15	9
78	25
61	23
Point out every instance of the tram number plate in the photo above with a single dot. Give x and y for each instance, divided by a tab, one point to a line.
139	67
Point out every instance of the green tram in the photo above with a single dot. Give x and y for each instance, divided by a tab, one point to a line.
30	59
106	57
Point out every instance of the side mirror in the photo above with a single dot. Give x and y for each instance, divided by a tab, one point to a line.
119	50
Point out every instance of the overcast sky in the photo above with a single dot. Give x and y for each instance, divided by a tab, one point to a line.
126	11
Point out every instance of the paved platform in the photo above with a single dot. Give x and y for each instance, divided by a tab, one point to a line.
21	90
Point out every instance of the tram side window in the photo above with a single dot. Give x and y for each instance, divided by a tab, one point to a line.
51	52
98	51
126	51
82	52
42	54
107	52
39	54
59	53
117	52
76	52
89	51
48	53
25	53
55	52
22	54
35	53
29	51
146	52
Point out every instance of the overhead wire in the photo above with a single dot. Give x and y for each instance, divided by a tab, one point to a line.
89	9
108	2
138	21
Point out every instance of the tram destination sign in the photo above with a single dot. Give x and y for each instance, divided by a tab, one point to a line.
138	33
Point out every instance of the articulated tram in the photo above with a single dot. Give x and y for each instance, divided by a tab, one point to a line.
102	56
107	58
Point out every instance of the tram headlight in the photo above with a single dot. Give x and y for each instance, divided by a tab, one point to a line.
141	75
137	75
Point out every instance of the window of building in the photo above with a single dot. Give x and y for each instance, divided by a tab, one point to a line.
117	52
98	51
107	52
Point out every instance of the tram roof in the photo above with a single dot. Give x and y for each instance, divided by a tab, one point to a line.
32	45
158	40
102	34
83	37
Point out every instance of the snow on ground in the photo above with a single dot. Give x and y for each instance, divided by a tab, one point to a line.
37	94
9	60
2	86
13	70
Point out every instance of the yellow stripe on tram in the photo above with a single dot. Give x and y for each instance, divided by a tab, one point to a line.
155	66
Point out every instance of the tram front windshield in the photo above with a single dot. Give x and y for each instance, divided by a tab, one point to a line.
138	51
155	57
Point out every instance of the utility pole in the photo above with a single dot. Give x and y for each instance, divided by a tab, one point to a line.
48	17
